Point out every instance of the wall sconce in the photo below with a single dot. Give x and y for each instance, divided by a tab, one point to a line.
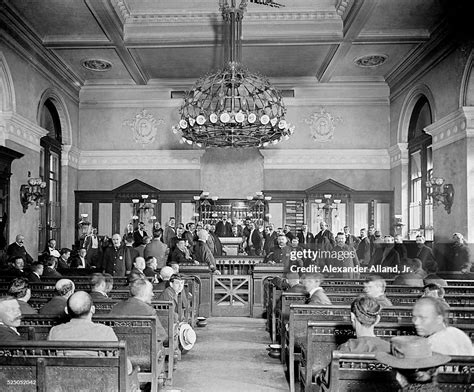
143	207
326	205
440	192
32	192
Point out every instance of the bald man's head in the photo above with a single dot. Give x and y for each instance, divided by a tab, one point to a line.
79	305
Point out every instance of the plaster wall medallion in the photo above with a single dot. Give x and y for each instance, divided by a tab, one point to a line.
322	125
144	127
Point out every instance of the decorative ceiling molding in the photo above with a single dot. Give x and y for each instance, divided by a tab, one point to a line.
455	126
324	159
20	130
140	159
17	35
70	156
419	61
343	7
398	154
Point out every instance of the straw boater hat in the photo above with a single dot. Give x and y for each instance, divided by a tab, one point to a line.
411	352
187	336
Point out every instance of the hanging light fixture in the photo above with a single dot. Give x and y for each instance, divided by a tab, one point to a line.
233	107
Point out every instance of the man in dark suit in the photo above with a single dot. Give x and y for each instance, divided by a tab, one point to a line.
288	233
118	259
324	239
150	271
50	249
253	241
36	272
202	253
57	305
363	249
169	232
386	255
351	239
180	253
138	234
17	268
80	260
282	253
316	295
305	237
423	252
139	304
224	227
17	248
344	256
10	319
50	265
270	237
99	288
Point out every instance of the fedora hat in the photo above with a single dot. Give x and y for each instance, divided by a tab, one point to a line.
411	352
187	336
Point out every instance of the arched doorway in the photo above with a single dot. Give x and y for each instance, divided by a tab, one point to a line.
420	168
50	171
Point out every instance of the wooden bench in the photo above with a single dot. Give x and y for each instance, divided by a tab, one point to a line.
398	289
43	366
398	299
323	337
140	333
301	315
350	372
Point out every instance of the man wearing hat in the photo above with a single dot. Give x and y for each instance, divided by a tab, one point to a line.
415	363
429	317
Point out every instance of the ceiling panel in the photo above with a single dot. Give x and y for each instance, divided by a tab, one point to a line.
285	61
348	69
73	58
404	15
178	62
59	19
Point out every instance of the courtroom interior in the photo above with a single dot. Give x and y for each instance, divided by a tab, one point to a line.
236	195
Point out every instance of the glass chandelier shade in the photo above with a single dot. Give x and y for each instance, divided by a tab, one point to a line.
233	107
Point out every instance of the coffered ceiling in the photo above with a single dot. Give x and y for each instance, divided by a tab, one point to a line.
161	41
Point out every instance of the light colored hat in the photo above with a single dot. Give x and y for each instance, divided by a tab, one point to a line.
411	352
55	253
187	336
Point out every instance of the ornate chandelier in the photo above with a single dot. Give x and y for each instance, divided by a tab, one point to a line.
233	107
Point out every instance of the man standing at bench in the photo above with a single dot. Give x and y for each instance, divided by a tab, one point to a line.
10	319
429	317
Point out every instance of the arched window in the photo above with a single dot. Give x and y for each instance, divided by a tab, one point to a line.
420	170
50	171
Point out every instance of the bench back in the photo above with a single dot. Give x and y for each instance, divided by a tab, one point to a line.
399	289
43	366
140	333
350	372
397	299
349	281
323	337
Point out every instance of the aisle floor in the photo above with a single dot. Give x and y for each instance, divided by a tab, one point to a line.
230	355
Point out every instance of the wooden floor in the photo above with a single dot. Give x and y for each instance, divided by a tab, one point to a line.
230	355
